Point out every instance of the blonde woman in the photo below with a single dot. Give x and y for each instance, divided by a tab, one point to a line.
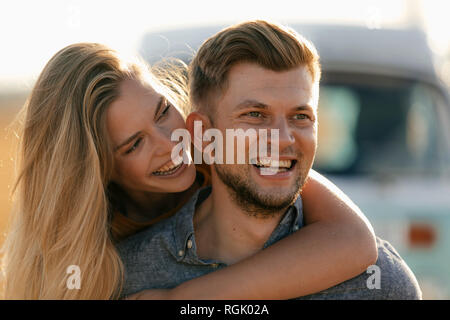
94	168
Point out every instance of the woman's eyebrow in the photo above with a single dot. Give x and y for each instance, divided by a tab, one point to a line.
127	141
160	104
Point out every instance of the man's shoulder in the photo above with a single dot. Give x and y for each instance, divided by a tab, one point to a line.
396	276
389	279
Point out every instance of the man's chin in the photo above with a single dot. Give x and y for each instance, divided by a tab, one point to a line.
258	196
276	199
271	185
275	195
267	199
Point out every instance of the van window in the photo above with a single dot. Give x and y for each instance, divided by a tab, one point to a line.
376	127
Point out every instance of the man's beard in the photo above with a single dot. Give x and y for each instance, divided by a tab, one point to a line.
246	195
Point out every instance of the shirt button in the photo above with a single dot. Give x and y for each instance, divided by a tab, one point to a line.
180	253
189	244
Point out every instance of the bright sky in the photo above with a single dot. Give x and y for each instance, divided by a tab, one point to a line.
32	31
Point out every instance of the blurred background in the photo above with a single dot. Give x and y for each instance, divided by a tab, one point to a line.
384	134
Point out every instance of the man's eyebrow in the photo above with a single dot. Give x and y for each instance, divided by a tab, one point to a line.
304	107
127	141
251	103
260	105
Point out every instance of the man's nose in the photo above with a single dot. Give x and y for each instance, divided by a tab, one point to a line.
285	134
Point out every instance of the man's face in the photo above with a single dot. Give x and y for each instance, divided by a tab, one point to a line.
259	98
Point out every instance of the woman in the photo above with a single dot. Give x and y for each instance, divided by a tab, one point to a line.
94	168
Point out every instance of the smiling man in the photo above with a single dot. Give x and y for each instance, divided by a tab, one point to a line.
258	98
255	75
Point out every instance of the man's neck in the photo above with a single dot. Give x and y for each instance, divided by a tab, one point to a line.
225	232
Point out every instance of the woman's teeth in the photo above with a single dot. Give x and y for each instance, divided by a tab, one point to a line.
167	169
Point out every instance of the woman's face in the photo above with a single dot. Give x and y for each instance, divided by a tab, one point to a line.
140	123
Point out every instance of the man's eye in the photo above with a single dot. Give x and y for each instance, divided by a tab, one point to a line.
254	114
134	147
301	116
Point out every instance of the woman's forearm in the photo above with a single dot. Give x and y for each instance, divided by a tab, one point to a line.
336	244
310	260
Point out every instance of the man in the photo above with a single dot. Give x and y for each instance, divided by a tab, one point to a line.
252	76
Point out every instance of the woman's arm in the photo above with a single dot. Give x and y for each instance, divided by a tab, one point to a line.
337	244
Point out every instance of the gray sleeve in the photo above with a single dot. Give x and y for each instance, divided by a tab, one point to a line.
396	275
391	279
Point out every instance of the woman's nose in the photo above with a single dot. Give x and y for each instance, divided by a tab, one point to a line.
162	144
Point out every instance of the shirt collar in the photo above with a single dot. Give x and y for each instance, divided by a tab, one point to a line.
291	222
184	222
184	226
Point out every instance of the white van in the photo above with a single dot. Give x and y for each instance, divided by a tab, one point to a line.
384	134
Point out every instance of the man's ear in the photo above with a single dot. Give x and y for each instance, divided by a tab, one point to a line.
202	123
197	116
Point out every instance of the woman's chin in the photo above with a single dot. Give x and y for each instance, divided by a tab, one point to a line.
182	182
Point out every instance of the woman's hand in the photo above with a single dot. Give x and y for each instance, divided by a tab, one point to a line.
151	294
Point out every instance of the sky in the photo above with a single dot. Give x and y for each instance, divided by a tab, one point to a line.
31	32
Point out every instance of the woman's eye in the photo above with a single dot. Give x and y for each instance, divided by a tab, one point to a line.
165	111
135	145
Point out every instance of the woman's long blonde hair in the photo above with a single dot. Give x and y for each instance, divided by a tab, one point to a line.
61	213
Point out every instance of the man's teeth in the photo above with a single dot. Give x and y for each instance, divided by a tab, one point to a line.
273	163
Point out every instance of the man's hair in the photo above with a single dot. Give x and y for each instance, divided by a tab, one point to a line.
269	45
